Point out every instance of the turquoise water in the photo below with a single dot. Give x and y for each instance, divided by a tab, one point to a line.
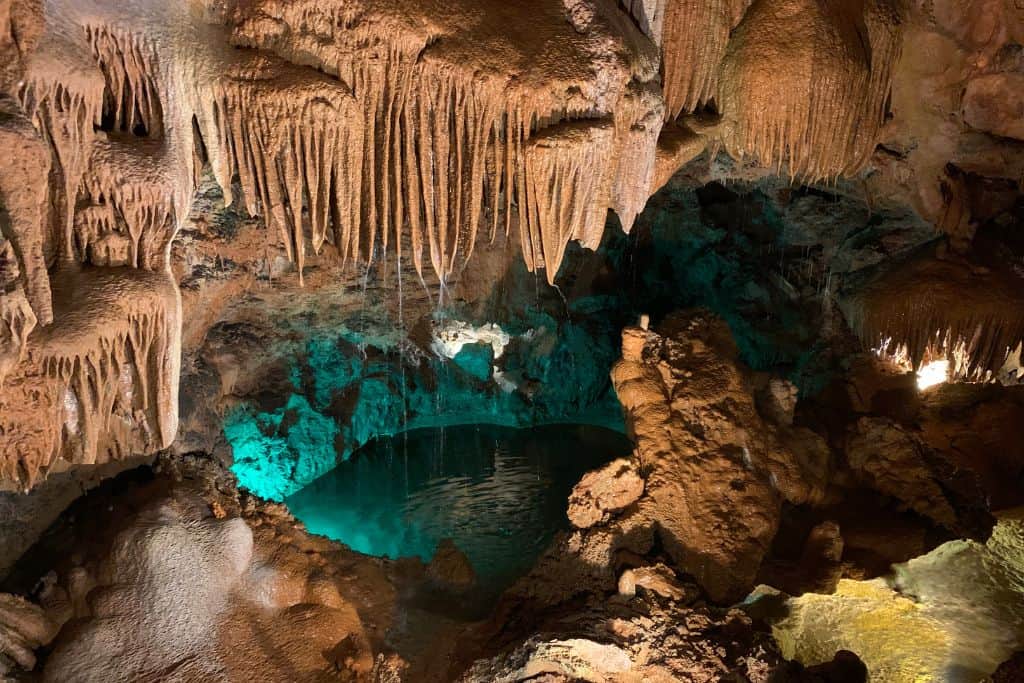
500	493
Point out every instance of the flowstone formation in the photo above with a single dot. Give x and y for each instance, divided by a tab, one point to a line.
190	581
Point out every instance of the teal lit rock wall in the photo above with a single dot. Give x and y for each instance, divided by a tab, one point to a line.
346	391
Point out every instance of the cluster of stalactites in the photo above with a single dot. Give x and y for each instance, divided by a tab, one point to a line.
804	84
929	309
102	383
66	107
129	212
131	100
563	171
114	389
120	192
978	348
695	34
419	152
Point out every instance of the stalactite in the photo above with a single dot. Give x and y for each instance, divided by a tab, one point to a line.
694	37
563	190
804	83
928	308
24	172
104	379
63	95
17	319
128	64
130	184
638	124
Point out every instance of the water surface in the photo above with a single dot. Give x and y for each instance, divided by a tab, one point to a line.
500	493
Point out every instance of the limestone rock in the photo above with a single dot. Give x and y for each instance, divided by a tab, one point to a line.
893	462
24	627
603	492
657	579
717	471
994	103
642	638
235	597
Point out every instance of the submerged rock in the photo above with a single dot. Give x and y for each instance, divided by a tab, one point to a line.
450	566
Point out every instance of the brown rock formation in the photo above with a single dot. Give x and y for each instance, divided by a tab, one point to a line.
188	578
716	471
969	313
24	627
603	492
805	84
101	382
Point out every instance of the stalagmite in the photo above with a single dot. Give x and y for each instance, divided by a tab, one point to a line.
804	84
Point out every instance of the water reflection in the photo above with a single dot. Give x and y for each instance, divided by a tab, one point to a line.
500	493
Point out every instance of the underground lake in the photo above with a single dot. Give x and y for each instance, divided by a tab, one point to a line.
498	492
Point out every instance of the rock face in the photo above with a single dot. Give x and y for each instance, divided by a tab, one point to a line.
958	608
637	638
728	484
994	104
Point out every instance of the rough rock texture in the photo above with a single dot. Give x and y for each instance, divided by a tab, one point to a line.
716	471
24	627
956	612
186	577
602	492
658	579
648	637
450	567
634	639
805	84
101	383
